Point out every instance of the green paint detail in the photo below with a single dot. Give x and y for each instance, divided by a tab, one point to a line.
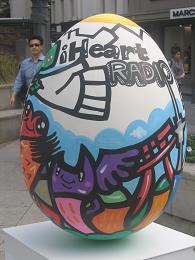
140	216
117	235
88	205
36	85
115	197
49	59
41	189
162	185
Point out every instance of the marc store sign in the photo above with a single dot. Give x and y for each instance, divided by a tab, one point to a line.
182	13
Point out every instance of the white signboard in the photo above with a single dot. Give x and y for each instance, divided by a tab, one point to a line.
182	13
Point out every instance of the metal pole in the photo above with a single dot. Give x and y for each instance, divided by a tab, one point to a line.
41	20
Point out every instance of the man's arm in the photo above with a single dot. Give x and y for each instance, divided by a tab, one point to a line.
182	71
19	82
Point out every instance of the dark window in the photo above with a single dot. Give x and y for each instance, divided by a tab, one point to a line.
4	9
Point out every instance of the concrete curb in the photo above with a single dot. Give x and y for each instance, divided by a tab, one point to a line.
5	96
10	121
183	205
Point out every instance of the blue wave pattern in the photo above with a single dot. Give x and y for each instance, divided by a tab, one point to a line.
109	138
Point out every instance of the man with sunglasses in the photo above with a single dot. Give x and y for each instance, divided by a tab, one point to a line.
28	69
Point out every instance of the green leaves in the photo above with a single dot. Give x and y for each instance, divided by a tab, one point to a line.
190	150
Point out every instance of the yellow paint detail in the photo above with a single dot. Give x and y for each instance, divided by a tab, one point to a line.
110	220
76	219
61	207
159	203
29	166
110	18
33	169
24	145
42	191
71	207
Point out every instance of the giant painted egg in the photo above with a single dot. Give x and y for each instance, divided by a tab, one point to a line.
103	130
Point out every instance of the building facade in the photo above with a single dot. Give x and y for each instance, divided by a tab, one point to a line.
68	10
65	13
170	23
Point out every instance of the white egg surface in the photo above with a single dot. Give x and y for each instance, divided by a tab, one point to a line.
103	131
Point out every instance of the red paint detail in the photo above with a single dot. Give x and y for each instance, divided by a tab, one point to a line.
29	166
29	124
143	193
145	148
50	213
164	132
163	144
169	168
147	156
72	214
159	157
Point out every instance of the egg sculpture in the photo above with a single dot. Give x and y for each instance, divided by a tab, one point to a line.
103	131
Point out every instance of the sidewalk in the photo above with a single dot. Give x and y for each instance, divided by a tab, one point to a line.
17	208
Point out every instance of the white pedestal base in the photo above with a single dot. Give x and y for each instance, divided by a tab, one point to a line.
45	241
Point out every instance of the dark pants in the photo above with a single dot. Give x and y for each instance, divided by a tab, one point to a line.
22	94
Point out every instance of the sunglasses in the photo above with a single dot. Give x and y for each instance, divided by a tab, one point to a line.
35	44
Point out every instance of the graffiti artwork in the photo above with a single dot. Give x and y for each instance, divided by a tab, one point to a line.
103	130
